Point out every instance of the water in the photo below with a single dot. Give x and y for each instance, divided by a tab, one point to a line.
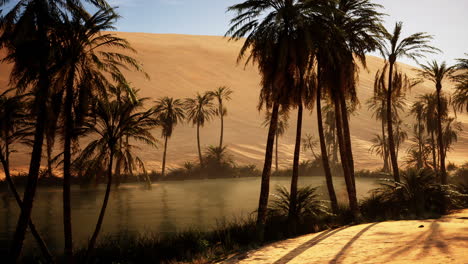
167	207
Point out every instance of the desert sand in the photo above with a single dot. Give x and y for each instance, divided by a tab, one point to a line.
443	240
181	65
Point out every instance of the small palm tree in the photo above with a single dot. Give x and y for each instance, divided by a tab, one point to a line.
437	74
199	110
282	126
222	94
310	143
169	112
460	97
112	121
413	47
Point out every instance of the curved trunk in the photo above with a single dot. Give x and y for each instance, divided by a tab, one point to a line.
391	142
347	139
92	241
295	176
164	157
36	155
443	173
198	144
67	225
353	204
325	162
265	184
6	168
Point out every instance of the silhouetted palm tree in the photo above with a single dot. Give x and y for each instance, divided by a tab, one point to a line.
417	110
169	112
412	47
27	34
13	129
222	94
437	74
282	126
460	97
310	143
112	121
200	110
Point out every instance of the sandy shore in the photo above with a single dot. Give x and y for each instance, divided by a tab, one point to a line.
443	240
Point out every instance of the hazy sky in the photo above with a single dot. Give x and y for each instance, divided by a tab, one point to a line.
447	20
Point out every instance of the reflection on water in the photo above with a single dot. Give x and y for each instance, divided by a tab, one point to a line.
166	207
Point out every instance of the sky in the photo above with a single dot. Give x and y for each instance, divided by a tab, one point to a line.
446	20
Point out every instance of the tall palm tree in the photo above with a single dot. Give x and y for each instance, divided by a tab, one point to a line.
437	74
169	112
115	119
199	110
413	47
378	102
417	111
222	94
13	129
460	97
348	33
27	35
277	34
282	126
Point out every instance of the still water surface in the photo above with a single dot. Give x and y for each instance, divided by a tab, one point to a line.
167	207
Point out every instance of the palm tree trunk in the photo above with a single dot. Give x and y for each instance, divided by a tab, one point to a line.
67	221
353	204
347	139
265	184
6	168
420	158
385	149
443	173
295	176
198	144
49	155
391	142
276	152
92	241
36	155
164	156
325	162
434	159
222	124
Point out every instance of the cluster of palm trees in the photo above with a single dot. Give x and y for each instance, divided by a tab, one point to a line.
308	52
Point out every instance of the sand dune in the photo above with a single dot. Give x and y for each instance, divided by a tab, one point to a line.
181	65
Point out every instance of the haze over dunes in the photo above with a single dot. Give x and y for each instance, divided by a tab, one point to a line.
181	65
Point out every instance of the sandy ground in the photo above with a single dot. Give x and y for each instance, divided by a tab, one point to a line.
443	240
181	65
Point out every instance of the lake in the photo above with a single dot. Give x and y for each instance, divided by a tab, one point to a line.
167	207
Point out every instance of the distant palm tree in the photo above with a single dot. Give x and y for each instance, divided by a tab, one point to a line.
460	97
451	130
113	120
223	93
417	110
282	126
310	143
437	74
412	47
170	112
13	129
400	135
199	110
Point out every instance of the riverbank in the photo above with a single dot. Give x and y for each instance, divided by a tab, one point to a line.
442	240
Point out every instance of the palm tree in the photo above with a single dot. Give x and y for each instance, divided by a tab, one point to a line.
412	47
282	126
278	39
378	102
417	110
13	129
114	120
27	35
83	64
169	112
348	33
437	74
310	143
451	129
223	93
200	110
460	97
